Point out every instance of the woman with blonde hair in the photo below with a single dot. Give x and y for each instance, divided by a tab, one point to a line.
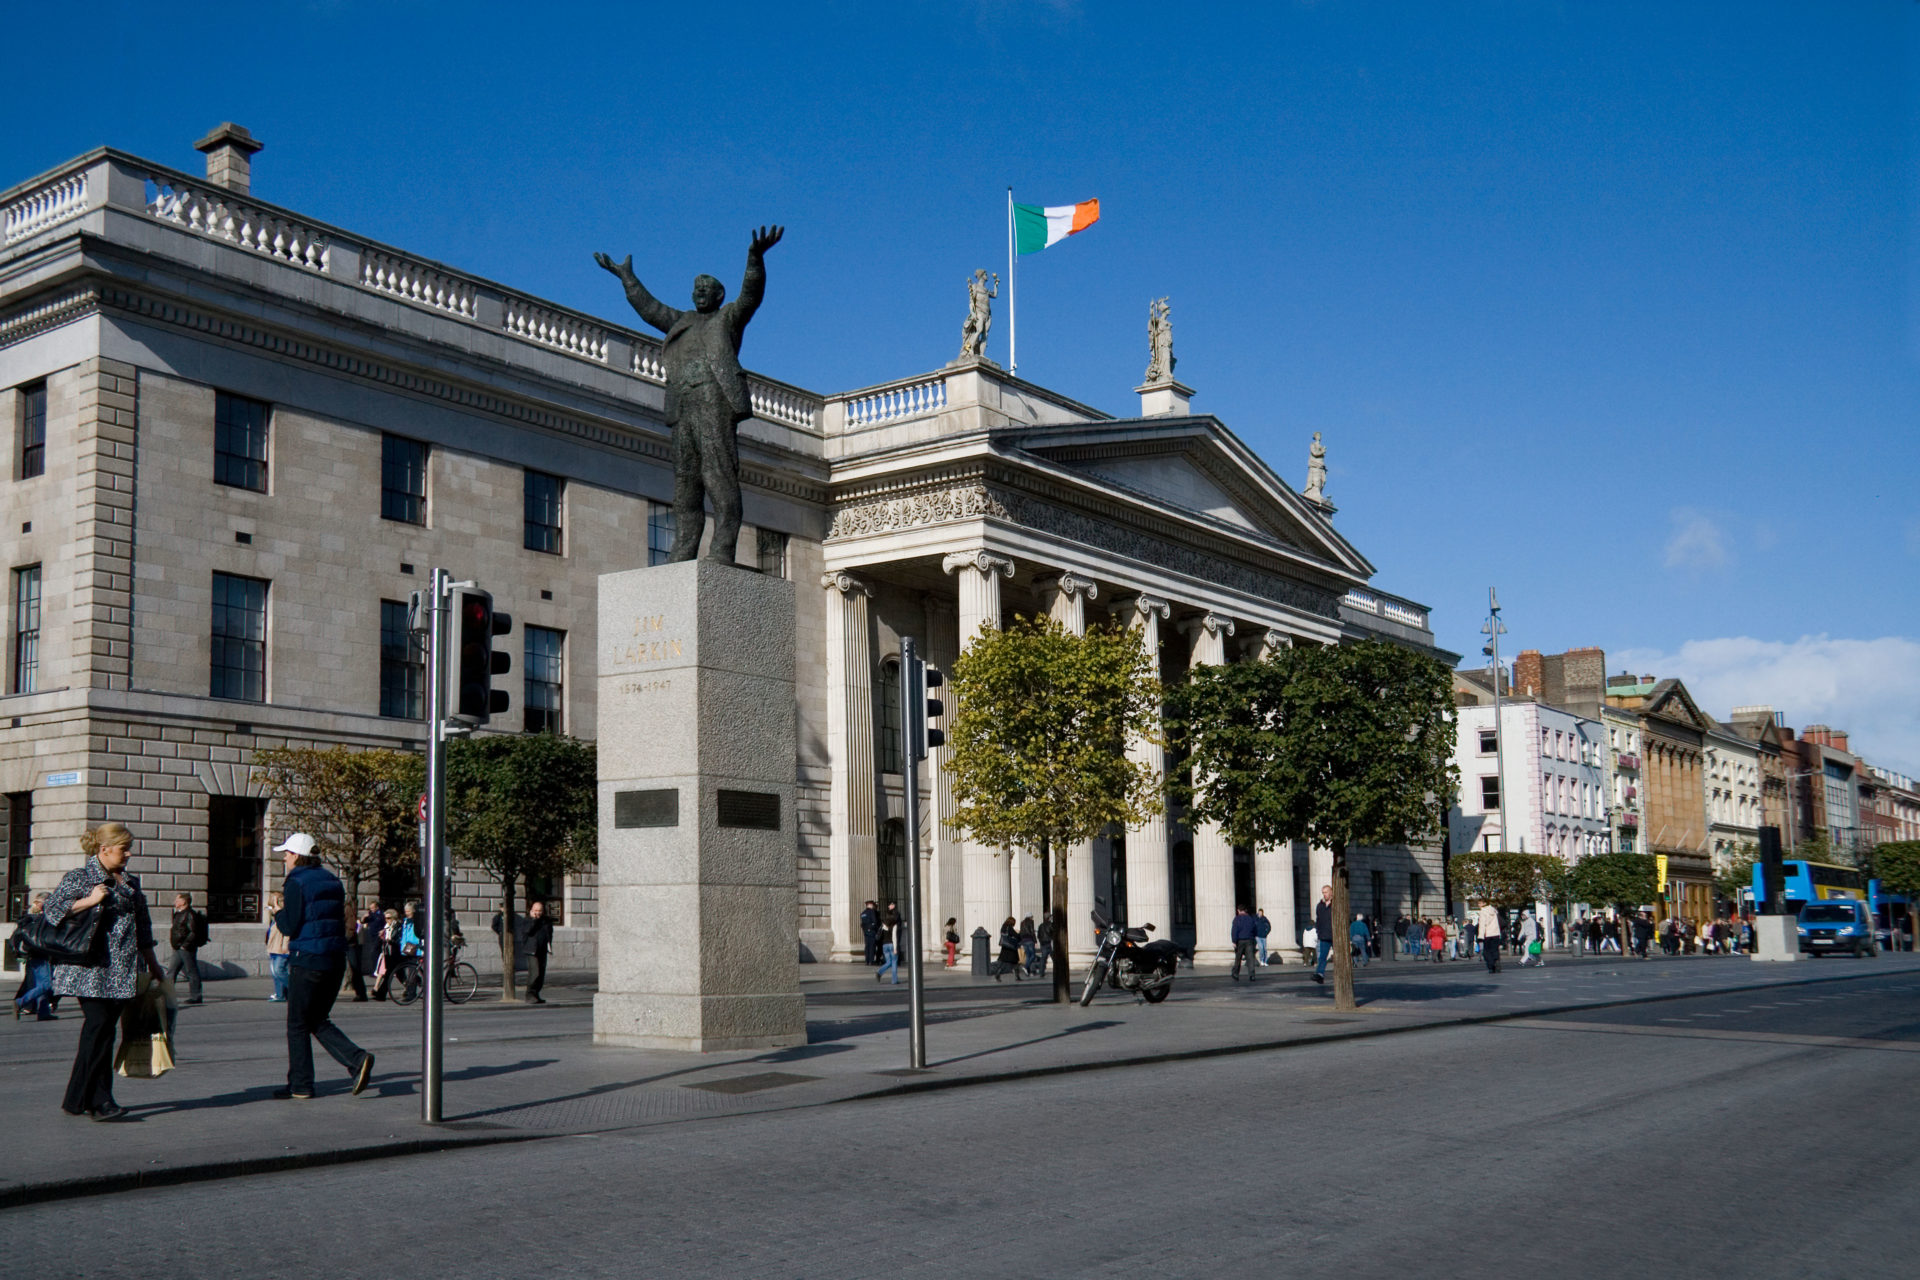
277	948
105	984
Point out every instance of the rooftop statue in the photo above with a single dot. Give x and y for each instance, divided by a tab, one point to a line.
706	394
973	334
1160	359
1316	471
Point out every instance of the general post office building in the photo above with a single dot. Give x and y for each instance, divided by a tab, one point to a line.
238	437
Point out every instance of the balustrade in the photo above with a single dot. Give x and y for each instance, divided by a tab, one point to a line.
782	404
220	217
647	363
896	403
390	273
46	206
556	329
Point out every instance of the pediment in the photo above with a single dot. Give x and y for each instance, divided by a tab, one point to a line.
1197	468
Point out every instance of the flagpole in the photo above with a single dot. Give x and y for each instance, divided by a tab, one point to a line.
1013	294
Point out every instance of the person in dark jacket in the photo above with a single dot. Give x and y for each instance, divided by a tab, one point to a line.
314	921
1243	934
1323	931
1009	958
35	993
1262	927
187	936
870	930
538	942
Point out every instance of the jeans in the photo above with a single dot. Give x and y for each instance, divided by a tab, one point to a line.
90	1086
310	997
889	964
38	997
278	964
1360	945
1326	949
187	958
1262	944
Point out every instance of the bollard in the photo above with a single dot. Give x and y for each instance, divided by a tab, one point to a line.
982	953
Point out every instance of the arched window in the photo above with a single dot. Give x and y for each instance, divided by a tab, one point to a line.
886	739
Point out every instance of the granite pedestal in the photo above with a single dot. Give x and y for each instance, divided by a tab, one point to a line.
1776	938
699	896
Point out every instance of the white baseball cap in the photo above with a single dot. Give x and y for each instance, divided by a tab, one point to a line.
299	844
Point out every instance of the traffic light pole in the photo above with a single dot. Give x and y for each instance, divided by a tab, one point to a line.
439	653
917	949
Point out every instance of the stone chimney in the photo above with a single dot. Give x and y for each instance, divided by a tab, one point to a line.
230	151
1528	674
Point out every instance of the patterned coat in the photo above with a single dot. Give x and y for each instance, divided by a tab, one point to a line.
129	933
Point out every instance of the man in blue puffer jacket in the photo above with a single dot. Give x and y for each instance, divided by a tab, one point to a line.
314	921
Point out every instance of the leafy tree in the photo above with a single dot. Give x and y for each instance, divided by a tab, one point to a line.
1037	748
1898	866
1510	881
1624	881
1736	876
1341	745
360	807
521	805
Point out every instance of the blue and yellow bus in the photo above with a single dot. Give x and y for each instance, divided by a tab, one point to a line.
1817	881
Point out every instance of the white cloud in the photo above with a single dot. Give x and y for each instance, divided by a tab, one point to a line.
1870	688
1698	542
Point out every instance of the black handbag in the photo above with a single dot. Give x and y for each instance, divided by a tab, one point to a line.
78	939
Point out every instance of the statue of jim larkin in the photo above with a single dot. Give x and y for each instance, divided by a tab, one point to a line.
706	394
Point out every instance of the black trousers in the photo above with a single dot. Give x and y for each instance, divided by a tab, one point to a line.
873	945
1245	951
90	1087
310	996
536	972
1490	952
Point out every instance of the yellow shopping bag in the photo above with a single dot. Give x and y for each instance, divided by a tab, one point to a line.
145	1049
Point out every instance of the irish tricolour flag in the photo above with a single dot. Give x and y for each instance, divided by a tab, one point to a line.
1037	227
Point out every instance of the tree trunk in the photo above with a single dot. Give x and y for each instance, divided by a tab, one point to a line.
1062	971
1342	932
509	990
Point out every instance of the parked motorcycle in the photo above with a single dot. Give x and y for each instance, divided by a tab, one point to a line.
1127	960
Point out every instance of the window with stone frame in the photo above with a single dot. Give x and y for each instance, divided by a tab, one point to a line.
235	869
1489	742
23	648
240	442
544	700
1490	793
770	547
886	741
239	634
543	495
33	430
403	480
659	532
403	664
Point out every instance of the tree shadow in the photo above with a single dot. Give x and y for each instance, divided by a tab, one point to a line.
397	1084
796	1053
892	1020
1058	1035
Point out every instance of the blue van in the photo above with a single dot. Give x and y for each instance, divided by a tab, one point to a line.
1836	925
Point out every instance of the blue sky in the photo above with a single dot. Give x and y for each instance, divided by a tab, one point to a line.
1615	306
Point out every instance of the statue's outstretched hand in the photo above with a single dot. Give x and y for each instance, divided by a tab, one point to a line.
622	268
767	237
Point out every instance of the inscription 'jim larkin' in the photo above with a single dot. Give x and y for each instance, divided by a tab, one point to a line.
639	648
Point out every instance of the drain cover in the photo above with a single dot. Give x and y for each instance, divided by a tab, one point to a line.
752	1083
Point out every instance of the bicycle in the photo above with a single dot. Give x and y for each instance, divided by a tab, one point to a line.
461	982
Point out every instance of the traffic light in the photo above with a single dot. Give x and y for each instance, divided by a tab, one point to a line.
475	697
922	736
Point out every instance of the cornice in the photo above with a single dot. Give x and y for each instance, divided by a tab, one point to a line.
63	308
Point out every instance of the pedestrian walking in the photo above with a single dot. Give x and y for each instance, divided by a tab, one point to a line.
1242	934
951	937
539	943
1030	945
35	992
870	930
124	947
186	936
314	920
1009	958
889	952
1488	925
1261	928
1437	940
1323	931
277	950
1529	939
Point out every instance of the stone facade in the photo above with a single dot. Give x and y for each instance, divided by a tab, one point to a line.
144	300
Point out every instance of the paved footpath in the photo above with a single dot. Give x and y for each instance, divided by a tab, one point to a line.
514	1073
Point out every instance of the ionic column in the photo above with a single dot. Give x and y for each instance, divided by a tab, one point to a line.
853	856
943	878
1212	855
1065	596
1149	879
986	888
1273	863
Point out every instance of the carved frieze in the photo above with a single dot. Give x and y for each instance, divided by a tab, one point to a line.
929	506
